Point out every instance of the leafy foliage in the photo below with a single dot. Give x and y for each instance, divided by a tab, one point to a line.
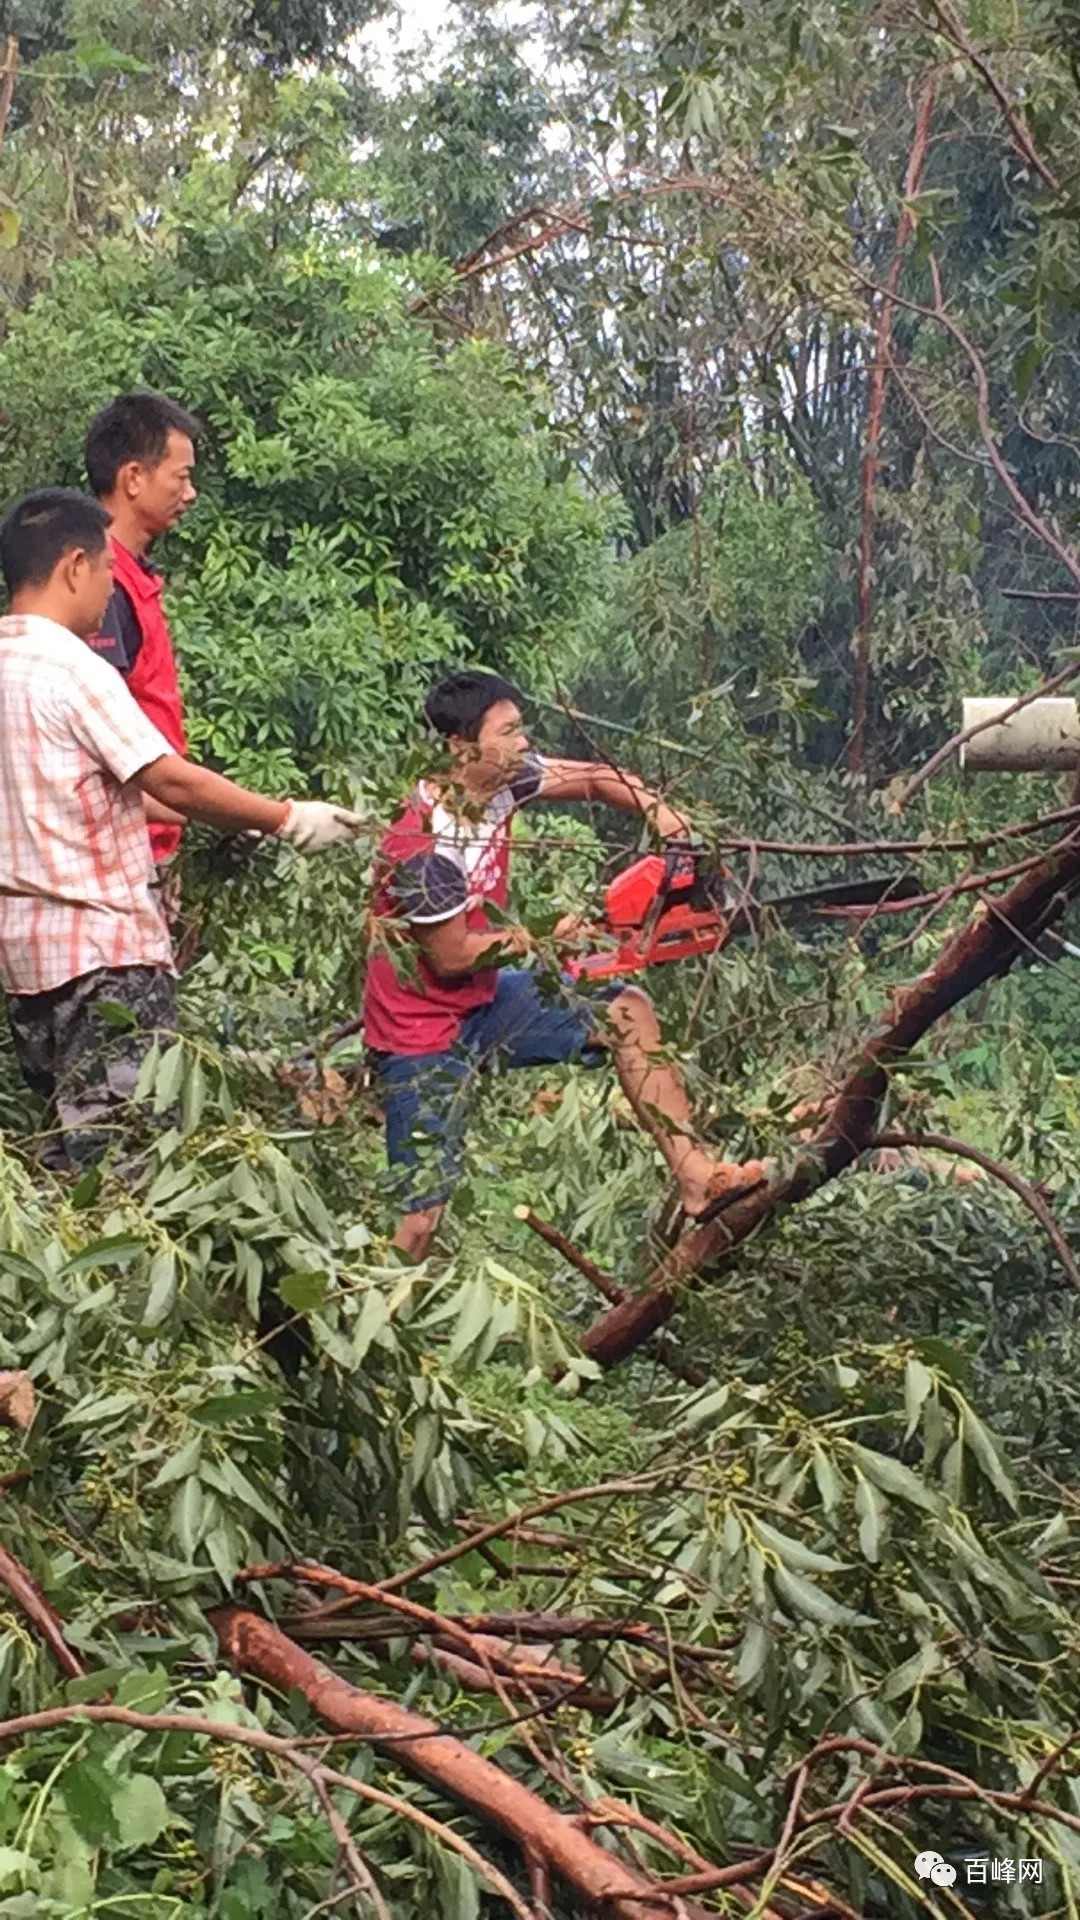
623	463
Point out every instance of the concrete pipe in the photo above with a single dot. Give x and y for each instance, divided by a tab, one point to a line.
1043	737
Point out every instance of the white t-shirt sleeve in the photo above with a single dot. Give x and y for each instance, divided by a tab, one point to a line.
108	722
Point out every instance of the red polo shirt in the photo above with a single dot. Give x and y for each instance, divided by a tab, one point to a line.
145	657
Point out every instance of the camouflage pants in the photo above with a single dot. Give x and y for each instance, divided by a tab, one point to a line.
72	1053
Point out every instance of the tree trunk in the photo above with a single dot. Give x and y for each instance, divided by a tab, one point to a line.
860	644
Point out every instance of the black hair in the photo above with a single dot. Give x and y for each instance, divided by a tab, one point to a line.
134	426
458	704
41	527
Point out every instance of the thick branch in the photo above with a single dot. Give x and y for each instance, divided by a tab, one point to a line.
997	932
447	1764
28	1595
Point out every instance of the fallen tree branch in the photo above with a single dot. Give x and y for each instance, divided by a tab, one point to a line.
1008	1176
484	1654
498	1529
316	1771
602	1281
447	1764
984	948
28	1596
546	1629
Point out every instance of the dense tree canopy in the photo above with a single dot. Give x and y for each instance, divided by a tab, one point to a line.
713	371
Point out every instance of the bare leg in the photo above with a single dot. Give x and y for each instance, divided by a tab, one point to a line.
416	1231
657	1093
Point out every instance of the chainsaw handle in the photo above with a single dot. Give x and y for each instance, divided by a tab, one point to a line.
681	859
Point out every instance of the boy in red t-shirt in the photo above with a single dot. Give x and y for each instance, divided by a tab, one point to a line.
434	1006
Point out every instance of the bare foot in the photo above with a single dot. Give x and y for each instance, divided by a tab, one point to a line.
720	1179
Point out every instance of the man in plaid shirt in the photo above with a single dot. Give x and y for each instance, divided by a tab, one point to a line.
78	924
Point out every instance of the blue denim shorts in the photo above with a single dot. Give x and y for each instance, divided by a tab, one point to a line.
427	1097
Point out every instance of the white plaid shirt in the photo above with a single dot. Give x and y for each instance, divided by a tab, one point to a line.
74	852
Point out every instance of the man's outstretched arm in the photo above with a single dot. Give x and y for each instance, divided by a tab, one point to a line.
612	787
197	793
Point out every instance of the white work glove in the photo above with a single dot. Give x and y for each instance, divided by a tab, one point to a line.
313	825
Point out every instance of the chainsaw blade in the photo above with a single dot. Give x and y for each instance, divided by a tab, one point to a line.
792	908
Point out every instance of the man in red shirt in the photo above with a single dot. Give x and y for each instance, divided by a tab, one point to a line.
437	1004
140	454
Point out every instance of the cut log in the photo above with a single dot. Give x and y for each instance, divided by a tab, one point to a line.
452	1768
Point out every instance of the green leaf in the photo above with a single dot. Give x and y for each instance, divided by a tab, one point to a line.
10	228
1052	1535
829	1483
140	1810
115	1014
86	1190
793	1553
918	1385
117	1250
91	1686
163	1289
1027	366
891	1476
373	1317
87	1792
303	1292
459	1895
226	1477
169	1077
952	1470
193	1100
911	1673
804	1597
98	1412
753	1655
188	1515
146	1691
946	1359
144	1085
223	1409
984	1447
18	1869
478	1305
180	1464
699	1411
872	1513
97	56
872	1722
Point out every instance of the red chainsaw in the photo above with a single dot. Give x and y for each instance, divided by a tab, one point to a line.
677	904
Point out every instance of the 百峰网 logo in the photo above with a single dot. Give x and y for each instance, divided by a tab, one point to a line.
930	1866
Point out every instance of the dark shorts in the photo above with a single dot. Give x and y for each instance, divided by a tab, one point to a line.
427	1097
72	1053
